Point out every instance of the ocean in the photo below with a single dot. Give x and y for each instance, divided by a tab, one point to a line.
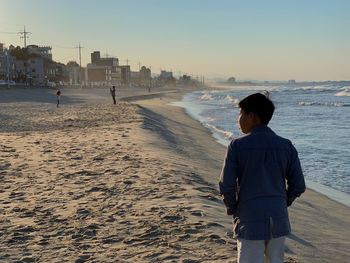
314	118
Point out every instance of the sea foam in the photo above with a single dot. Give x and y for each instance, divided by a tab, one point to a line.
343	93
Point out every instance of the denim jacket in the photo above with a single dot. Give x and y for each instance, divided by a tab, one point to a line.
261	173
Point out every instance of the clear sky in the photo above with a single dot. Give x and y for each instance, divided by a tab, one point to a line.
248	39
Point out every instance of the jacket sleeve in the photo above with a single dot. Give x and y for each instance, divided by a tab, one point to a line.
295	178
228	178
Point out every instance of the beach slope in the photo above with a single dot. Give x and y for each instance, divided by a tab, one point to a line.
132	182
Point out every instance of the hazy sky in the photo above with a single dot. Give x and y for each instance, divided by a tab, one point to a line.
248	39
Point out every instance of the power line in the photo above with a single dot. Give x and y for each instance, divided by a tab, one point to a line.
64	47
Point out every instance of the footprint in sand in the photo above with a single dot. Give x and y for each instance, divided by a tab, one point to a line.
98	158
82	213
197	213
83	258
187	260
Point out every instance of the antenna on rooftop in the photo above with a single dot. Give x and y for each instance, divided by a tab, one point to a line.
127	62
24	34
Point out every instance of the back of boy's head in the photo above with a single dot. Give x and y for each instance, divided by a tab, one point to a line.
259	104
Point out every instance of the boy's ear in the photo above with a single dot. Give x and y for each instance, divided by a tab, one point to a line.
256	119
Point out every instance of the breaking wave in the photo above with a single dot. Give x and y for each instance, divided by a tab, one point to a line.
343	93
206	97
327	104
227	135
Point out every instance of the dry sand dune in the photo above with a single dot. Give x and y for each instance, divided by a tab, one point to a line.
81	184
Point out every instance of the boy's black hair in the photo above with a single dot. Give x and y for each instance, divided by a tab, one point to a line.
259	104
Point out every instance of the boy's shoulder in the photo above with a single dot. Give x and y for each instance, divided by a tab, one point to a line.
265	137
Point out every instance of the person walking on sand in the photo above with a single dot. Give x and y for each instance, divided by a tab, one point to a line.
112	91
58	95
260	178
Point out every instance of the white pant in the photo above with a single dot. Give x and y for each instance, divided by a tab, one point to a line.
260	251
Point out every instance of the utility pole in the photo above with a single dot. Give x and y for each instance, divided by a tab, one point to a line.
150	80
80	78
139	65
139	73
8	69
24	34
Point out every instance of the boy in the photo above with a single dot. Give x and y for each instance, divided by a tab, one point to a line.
261	176
58	95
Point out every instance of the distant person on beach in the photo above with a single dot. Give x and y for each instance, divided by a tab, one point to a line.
58	95
112	91
261	177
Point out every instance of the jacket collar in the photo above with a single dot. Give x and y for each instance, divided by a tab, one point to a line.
262	128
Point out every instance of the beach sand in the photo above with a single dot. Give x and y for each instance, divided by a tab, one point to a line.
132	182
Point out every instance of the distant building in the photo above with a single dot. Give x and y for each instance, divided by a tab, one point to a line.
55	71
95	57
145	76
291	81
185	80
125	74
33	68
73	69
141	78
135	78
166	78
7	64
103	71
99	75
231	80
166	74
44	52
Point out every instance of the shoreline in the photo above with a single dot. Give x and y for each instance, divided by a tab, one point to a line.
327	217
327	191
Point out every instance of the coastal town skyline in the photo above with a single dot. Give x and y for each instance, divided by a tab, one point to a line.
256	40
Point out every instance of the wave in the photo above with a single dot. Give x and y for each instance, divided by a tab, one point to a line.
343	93
206	97
328	104
211	119
319	88
232	100
226	134
218	97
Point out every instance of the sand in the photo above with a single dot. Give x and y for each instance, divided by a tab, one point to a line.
132	182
